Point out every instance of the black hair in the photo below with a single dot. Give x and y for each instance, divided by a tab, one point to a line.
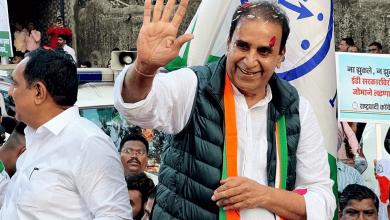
86	63
134	137
141	182
19	54
348	41
19	128
377	44
115	49
57	70
64	37
357	192
269	12
152	195
353	46
21	23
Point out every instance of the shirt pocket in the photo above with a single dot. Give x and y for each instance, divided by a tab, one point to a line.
39	190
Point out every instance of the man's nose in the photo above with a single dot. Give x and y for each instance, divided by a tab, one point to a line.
251	59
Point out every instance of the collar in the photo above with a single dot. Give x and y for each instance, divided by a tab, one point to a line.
58	123
340	165
55	125
262	102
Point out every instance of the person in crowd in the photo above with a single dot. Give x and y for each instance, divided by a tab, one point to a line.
148	208
67	158
109	61
20	35
13	148
134	153
375	47
190	104
18	57
138	186
345	43
58	29
353	49
347	175
32	39
358	202
62	39
86	64
9	153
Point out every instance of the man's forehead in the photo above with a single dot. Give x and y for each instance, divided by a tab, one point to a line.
133	144
364	204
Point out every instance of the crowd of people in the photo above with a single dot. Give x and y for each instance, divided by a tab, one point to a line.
242	142
27	40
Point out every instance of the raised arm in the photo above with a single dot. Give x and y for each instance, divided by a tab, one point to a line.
36	35
157	45
51	30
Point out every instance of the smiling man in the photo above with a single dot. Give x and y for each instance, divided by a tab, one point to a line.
134	153
235	111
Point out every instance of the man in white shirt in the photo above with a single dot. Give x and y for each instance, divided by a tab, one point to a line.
188	104
62	39
70	169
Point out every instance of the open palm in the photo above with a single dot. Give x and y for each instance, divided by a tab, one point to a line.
157	43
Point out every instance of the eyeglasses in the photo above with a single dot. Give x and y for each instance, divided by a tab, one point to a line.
137	152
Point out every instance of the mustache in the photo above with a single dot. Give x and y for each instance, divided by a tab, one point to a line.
134	159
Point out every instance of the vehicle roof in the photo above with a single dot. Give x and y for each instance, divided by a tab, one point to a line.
95	94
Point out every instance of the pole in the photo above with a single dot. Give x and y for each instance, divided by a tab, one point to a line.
378	130
62	7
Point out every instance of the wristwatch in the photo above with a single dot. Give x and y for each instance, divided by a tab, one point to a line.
1	166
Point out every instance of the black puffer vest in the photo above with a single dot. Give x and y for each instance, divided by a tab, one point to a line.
191	165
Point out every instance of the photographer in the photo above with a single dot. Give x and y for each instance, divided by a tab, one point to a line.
58	29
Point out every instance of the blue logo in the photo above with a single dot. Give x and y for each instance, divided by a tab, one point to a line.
318	57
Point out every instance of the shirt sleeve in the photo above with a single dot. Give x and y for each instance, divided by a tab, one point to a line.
50	31
168	105
4	179
313	171
99	177
68	32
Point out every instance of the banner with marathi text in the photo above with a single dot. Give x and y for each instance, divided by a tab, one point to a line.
364	87
5	34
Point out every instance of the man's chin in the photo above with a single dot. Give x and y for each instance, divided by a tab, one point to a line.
135	169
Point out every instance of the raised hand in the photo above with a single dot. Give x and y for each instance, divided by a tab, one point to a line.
157	43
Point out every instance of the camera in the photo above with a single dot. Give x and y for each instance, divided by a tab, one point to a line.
59	20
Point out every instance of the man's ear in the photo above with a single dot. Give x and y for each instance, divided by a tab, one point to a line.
280	59
21	150
41	93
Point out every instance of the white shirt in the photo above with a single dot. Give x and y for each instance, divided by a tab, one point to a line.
4	179
70	170
168	107
70	51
